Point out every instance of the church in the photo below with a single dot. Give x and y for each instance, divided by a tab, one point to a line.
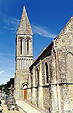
46	82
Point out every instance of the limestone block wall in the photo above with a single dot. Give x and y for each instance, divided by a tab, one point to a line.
46	97
52	80
29	90
37	82
69	59
57	94
60	101
71	96
62	71
20	79
29	98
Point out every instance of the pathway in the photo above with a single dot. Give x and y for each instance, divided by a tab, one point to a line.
26	107
5	110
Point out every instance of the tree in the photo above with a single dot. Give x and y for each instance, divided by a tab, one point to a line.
8	85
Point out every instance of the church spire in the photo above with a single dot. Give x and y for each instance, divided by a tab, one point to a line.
24	54
24	26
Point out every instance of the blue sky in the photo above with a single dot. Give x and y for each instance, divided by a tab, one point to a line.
47	18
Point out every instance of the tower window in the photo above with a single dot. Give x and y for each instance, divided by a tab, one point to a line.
21	46
27	46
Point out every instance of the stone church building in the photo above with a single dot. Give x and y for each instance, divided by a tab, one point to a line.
47	82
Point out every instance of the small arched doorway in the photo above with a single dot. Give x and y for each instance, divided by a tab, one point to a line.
25	90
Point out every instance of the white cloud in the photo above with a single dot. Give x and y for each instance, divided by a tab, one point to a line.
42	31
1	72
6	54
9	28
10	23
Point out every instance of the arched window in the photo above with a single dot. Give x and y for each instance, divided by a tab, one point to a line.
37	76
21	46
47	75
27	46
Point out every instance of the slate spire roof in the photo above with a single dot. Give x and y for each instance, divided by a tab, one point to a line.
24	26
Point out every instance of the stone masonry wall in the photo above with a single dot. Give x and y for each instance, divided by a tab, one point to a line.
62	55
56	95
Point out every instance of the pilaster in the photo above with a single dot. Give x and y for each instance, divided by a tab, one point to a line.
33	89
40	88
54	102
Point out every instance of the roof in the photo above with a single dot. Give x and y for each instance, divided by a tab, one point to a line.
45	49
24	25
64	27
50	45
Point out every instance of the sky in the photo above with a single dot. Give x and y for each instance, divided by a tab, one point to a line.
47	19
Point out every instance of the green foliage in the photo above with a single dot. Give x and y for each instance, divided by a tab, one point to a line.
1	86
0	101
8	85
6	91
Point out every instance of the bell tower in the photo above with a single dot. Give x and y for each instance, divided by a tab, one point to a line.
24	54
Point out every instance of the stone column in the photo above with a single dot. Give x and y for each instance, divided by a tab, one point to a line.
22	64
33	89
17	52
26	46
16	46
29	47
40	89
59	98
18	64
27	65
19	46
23	46
31	50
54	104
65	102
